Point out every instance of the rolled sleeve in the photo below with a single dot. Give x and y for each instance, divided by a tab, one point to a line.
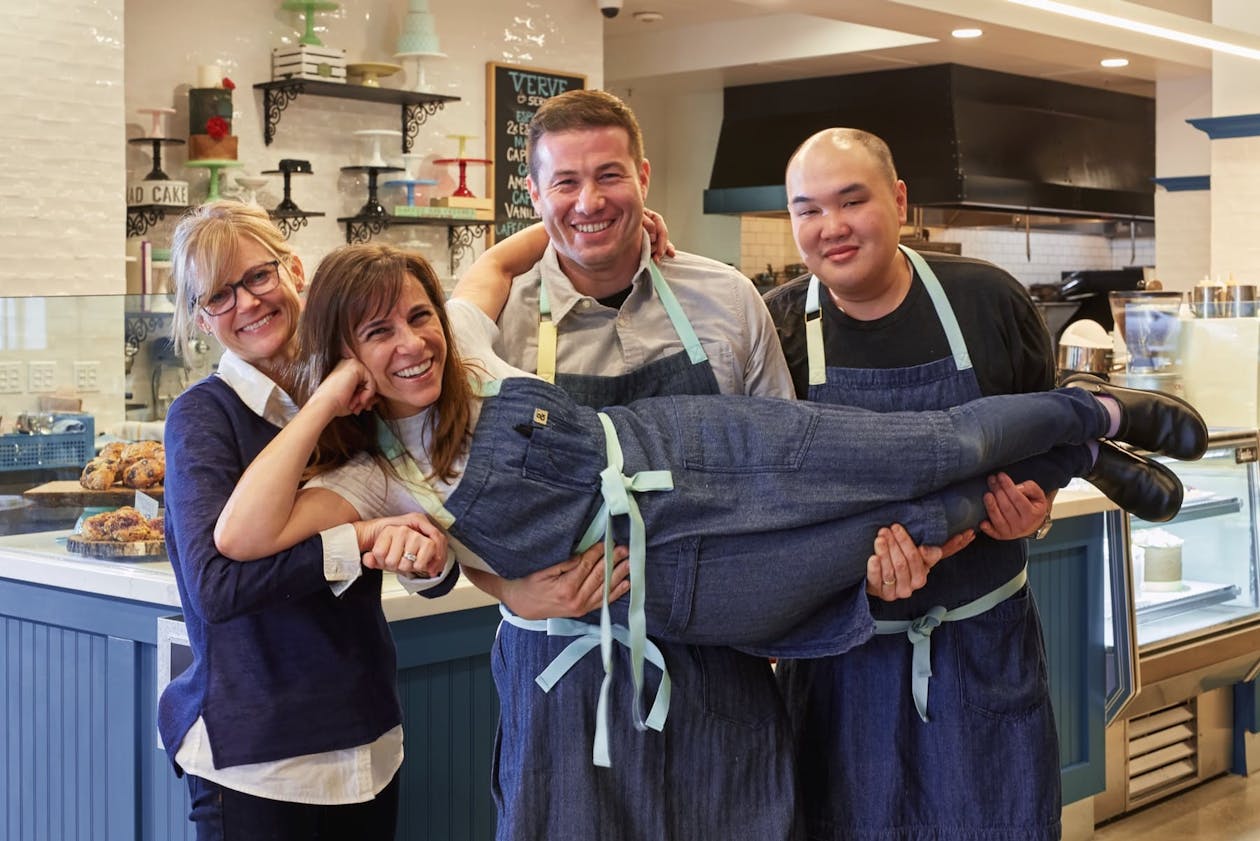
341	557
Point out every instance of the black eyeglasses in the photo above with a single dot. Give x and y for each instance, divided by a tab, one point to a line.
259	281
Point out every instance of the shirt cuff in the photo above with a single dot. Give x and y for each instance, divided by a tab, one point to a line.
342	565
414	584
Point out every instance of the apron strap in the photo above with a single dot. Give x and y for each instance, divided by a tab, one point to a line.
548	339
417	484
814	348
814	352
589	636
546	335
949	322
682	326
919	632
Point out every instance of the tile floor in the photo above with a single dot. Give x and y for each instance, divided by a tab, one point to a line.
1224	809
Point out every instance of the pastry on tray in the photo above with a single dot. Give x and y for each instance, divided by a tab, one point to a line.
140	465
125	525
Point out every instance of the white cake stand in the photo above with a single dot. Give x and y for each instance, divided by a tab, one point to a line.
418	84
159	123
376	134
250	185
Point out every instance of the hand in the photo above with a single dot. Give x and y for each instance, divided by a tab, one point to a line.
571	588
658	235
1014	510
898	567
409	544
348	389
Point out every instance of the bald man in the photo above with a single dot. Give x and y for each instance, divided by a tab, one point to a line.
885	750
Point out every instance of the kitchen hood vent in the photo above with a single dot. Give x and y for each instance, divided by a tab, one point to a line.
963	139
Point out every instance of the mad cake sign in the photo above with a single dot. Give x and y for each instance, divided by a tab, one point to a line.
513	95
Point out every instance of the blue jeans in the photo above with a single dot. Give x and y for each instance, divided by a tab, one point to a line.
775	503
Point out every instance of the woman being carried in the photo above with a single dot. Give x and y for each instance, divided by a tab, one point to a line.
744	516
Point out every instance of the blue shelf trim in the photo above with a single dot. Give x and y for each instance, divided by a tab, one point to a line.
1185	183
1238	125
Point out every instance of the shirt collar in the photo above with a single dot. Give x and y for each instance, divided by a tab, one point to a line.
560	289
256	390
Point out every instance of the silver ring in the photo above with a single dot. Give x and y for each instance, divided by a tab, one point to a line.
409	557
888	582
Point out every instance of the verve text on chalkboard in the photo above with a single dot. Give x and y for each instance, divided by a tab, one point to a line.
514	94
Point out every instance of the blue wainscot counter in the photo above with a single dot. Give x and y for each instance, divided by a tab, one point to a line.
84	644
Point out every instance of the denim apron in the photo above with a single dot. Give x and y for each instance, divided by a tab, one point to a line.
721	769
939	727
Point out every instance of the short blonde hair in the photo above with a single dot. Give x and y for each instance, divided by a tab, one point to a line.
206	241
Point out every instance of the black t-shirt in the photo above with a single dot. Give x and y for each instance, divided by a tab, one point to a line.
1005	334
1010	350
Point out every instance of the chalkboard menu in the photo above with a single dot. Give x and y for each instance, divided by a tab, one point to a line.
513	94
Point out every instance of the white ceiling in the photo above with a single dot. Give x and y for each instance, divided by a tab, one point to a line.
719	43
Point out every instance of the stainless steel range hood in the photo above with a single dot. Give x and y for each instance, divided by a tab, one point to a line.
1016	150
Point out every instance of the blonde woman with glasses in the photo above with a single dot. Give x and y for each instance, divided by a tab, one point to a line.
287	724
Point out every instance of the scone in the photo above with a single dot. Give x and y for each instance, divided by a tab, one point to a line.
142	449
144	473
113	450
99	475
123	525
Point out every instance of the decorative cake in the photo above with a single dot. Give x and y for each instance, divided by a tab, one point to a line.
1162	559
210	117
418	34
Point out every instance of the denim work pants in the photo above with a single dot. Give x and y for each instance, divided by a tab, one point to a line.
774	505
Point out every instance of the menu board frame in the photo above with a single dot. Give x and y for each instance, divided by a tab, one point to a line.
510	102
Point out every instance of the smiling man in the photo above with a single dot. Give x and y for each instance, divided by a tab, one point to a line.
601	320
885	752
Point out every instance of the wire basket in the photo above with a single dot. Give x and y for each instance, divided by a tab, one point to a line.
54	449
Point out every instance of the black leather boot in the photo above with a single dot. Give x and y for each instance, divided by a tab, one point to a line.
1151	420
1143	487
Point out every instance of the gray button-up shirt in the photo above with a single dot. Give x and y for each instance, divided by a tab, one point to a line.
723	306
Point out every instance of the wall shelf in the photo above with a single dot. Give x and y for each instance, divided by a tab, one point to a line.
416	107
460	233
141	217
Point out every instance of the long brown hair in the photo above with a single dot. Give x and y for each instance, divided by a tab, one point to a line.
354	284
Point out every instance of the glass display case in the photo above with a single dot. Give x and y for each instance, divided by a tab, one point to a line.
1184	629
1197	575
76	372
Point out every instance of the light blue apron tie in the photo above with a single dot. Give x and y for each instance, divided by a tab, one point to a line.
618	492
919	632
815	354
547	341
588	637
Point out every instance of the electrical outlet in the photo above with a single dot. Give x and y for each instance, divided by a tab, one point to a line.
42	377
10	377
87	376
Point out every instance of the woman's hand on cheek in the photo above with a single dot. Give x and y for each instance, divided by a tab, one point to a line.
348	389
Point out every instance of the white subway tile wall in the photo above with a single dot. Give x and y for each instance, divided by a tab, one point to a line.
1235	214
62	148
66	162
1184	246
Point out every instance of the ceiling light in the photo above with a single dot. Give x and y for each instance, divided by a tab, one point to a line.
1114	62
648	17
967	33
1141	27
